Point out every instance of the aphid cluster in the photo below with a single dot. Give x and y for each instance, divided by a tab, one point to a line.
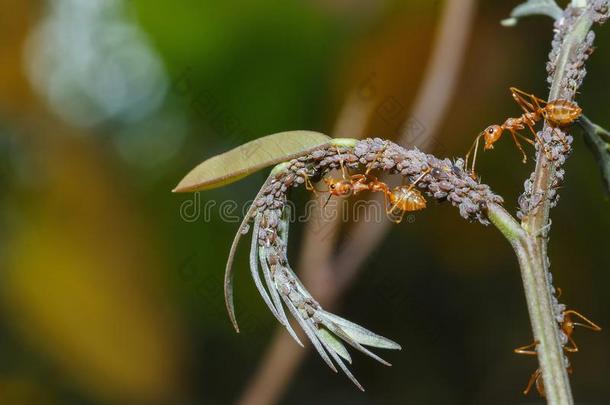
557	113
399	199
567	326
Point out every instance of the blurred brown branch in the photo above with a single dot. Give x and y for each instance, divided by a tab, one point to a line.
430	105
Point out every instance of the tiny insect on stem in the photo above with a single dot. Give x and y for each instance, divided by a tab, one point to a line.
557	113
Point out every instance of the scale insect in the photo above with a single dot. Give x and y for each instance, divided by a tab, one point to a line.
567	327
558	113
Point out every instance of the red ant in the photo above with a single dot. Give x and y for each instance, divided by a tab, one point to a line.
557	113
402	198
567	326
351	185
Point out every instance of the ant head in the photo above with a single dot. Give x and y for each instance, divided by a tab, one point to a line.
331	183
338	187
491	134
567	326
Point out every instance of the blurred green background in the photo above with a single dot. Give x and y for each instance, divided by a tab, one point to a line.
109	296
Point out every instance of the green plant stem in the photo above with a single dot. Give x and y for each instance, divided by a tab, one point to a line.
529	239
538	296
535	266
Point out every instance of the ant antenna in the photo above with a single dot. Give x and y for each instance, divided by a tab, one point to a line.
327	201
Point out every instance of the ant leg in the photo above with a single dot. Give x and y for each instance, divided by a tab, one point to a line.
573	348
533	379
519	98
565	144
535	106
390	212
526	349
539	140
559	292
358	183
540	384
536	102
589	324
358	178
518	144
377	156
343	171
399	220
538	107
309	186
526	139
421	176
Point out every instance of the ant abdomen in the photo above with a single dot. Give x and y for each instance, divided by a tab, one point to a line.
561	113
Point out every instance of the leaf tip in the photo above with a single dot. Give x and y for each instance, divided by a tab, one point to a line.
508	22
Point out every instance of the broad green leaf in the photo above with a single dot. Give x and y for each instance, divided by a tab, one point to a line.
250	157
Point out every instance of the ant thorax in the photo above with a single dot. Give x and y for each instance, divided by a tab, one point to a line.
515	124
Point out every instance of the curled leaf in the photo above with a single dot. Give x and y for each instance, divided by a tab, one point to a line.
250	157
533	7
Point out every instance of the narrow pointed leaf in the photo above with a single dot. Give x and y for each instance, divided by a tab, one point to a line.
337	330
254	268
360	334
275	296
342	365
250	157
228	282
332	341
309	332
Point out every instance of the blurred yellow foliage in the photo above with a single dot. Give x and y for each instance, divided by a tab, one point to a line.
79	283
